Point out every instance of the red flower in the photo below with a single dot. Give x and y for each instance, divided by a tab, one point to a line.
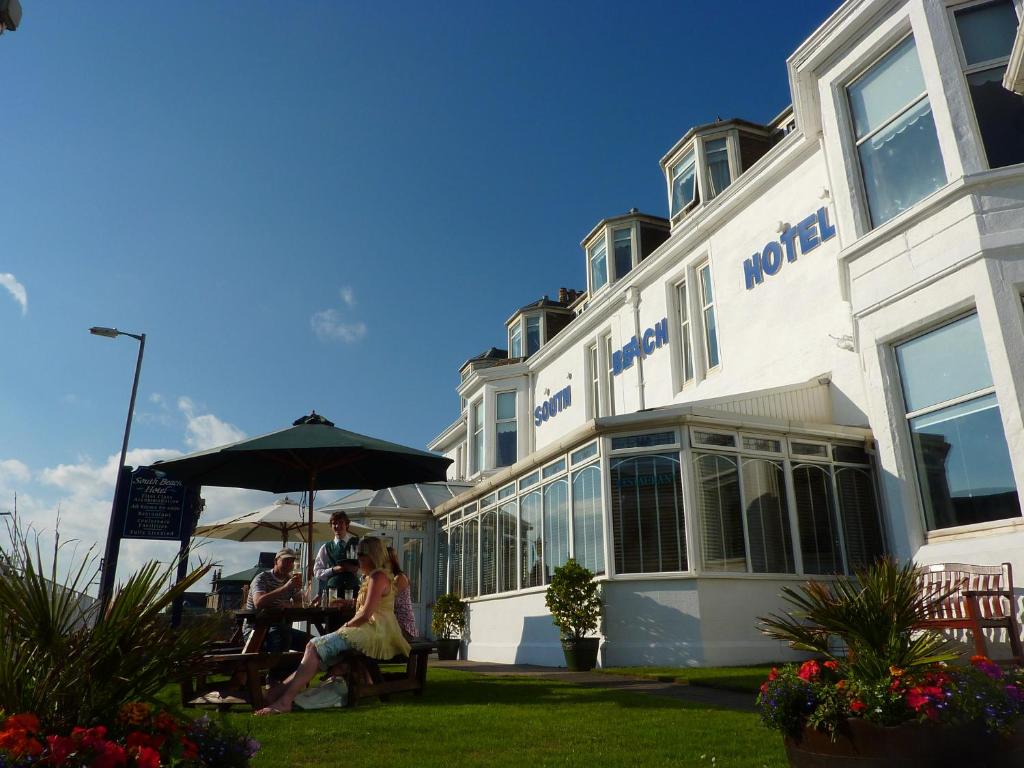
833	665
773	674
147	758
60	747
165	722
110	755
189	749
809	670
857	706
23	722
144	740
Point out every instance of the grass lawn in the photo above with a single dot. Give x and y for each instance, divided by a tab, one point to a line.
465	719
742	679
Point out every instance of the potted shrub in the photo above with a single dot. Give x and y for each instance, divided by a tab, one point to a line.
574	599
448	623
880	692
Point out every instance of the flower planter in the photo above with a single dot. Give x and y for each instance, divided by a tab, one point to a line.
580	653
448	649
860	744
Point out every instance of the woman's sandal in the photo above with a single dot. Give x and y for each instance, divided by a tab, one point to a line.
270	710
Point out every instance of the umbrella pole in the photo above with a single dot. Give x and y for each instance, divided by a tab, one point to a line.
309	530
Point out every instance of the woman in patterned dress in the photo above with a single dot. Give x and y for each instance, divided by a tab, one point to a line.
403	600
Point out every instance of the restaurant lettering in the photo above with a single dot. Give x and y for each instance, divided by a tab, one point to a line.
650	340
553	406
808	235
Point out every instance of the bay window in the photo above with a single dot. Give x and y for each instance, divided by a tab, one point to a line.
894	131
985	33
963	463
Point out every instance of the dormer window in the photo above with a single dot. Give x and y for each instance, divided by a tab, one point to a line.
708	159
684	183
534	325
632	238
598	256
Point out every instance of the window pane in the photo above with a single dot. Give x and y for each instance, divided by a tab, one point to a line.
889	86
532	479
771	546
584	453
532	335
717	157
963	465
488	552
861	526
506	405
647	514
515	347
553	469
470	558
684	332
441	565
684	183
943	364
507	547
1000	114
986	31
718	504
901	163
598	265
710	325
623	244
643	441
455	580
714	438
556	526
587	519
531	542
508	490
763	444
505	444
816	518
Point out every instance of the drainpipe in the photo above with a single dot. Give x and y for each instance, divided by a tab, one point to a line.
633	298
532	430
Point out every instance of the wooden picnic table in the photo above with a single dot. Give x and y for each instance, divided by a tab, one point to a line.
324	618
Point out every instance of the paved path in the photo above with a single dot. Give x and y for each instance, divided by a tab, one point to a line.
692	694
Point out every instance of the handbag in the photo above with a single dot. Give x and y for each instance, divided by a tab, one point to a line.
331	693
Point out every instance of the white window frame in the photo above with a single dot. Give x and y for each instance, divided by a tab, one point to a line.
516	331
684	326
694	148
704	308
609	375
514	419
591	250
477	428
592	366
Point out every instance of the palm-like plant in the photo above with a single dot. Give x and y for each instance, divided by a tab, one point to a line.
867	623
71	666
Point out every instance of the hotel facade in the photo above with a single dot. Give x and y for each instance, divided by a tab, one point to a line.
817	358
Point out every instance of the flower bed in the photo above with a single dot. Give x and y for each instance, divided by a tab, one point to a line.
140	737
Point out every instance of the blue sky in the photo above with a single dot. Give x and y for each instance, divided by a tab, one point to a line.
324	205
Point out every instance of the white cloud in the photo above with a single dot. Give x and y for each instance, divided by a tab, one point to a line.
348	296
206	430
12	470
329	326
16	289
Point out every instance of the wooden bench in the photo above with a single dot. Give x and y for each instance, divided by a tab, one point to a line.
357	669
972	597
197	688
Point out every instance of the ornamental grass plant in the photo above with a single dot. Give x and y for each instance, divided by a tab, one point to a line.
67	663
873	663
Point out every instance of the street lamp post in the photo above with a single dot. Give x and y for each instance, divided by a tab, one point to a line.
108	567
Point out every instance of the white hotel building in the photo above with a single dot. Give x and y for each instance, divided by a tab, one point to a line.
817	358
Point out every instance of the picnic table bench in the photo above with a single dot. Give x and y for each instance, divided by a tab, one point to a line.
974	598
357	668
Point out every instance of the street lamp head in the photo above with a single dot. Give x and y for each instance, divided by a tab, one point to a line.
110	333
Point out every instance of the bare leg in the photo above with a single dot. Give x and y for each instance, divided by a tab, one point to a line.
294	683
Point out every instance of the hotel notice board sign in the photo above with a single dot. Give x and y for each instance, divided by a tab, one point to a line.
156	506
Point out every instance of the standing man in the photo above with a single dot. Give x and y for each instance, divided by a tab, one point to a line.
337	562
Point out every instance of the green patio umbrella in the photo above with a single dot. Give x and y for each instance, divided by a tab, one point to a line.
310	455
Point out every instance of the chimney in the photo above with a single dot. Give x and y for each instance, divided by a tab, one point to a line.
563	296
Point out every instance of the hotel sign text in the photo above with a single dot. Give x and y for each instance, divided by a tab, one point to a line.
808	234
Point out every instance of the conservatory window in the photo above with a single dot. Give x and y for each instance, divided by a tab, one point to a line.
647	514
531	540
587	518
556	526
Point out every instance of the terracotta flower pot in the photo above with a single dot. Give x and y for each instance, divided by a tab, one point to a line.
860	744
